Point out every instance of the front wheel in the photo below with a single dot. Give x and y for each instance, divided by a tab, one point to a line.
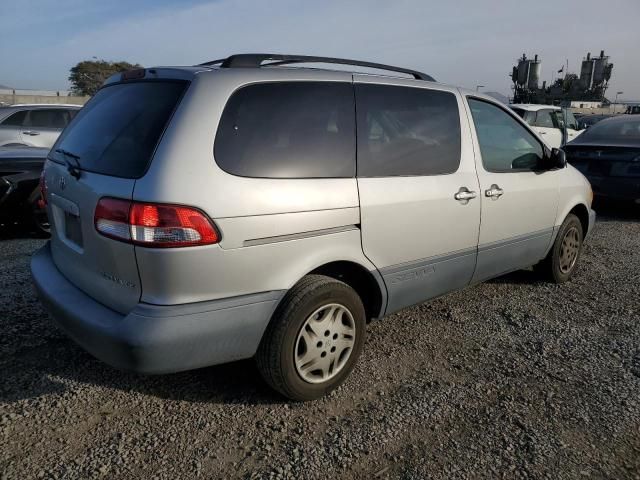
314	339
561	262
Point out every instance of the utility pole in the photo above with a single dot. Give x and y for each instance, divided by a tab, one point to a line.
478	87
615	104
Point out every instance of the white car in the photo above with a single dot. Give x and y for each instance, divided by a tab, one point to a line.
547	120
34	125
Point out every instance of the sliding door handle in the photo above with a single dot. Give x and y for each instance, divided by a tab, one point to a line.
494	192
464	195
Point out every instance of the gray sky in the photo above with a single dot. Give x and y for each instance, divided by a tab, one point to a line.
460	42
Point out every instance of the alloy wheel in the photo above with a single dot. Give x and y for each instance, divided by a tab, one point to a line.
324	343
569	250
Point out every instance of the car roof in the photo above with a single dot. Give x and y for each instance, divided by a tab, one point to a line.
23	152
621	119
189	73
533	107
42	105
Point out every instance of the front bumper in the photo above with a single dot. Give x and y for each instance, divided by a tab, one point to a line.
153	338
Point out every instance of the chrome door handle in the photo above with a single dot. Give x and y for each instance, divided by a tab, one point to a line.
31	133
464	195
494	192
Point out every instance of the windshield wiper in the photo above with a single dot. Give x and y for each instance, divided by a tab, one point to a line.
74	170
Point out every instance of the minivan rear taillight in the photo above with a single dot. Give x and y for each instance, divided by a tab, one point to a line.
153	224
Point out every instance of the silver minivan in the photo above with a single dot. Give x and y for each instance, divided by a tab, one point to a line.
250	207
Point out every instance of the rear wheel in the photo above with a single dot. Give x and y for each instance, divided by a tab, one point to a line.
314	338
561	262
39	220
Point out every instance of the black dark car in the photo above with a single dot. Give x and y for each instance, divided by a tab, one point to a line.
20	169
586	121
608	154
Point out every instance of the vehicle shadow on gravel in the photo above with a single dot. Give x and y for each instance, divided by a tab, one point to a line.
232	383
610	210
57	365
18	232
519	277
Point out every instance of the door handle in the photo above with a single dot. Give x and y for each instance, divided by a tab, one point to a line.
464	195
31	133
494	192
542	133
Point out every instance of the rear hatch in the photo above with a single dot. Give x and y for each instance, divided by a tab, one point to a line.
101	153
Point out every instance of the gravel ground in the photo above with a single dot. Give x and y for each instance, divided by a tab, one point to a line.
514	378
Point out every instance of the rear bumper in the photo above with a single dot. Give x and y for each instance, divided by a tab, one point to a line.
151	338
622	188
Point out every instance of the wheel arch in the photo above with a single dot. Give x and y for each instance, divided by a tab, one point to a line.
581	211
368	284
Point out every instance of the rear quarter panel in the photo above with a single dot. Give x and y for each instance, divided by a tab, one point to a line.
274	231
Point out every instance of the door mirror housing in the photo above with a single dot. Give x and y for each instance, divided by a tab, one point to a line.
557	158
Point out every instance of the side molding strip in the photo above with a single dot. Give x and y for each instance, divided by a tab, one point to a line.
298	236
516	239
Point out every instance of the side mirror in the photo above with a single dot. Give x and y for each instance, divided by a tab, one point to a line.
557	158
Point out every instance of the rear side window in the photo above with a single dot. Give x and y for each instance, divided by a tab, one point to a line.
15	120
404	131
288	130
117	131
47	118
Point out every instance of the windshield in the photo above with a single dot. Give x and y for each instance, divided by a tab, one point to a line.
618	129
571	120
117	131
526	115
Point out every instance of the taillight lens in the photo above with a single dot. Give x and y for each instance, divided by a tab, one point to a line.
42	201
154	225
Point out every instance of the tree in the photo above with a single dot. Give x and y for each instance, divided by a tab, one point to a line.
89	75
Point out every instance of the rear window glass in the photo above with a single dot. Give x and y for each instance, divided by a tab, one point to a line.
619	128
288	130
405	131
118	129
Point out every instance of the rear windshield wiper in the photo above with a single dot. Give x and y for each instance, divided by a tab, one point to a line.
74	170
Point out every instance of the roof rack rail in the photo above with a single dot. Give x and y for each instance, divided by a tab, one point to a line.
255	60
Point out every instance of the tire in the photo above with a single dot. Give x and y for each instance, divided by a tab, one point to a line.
562	260
39	221
330	312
